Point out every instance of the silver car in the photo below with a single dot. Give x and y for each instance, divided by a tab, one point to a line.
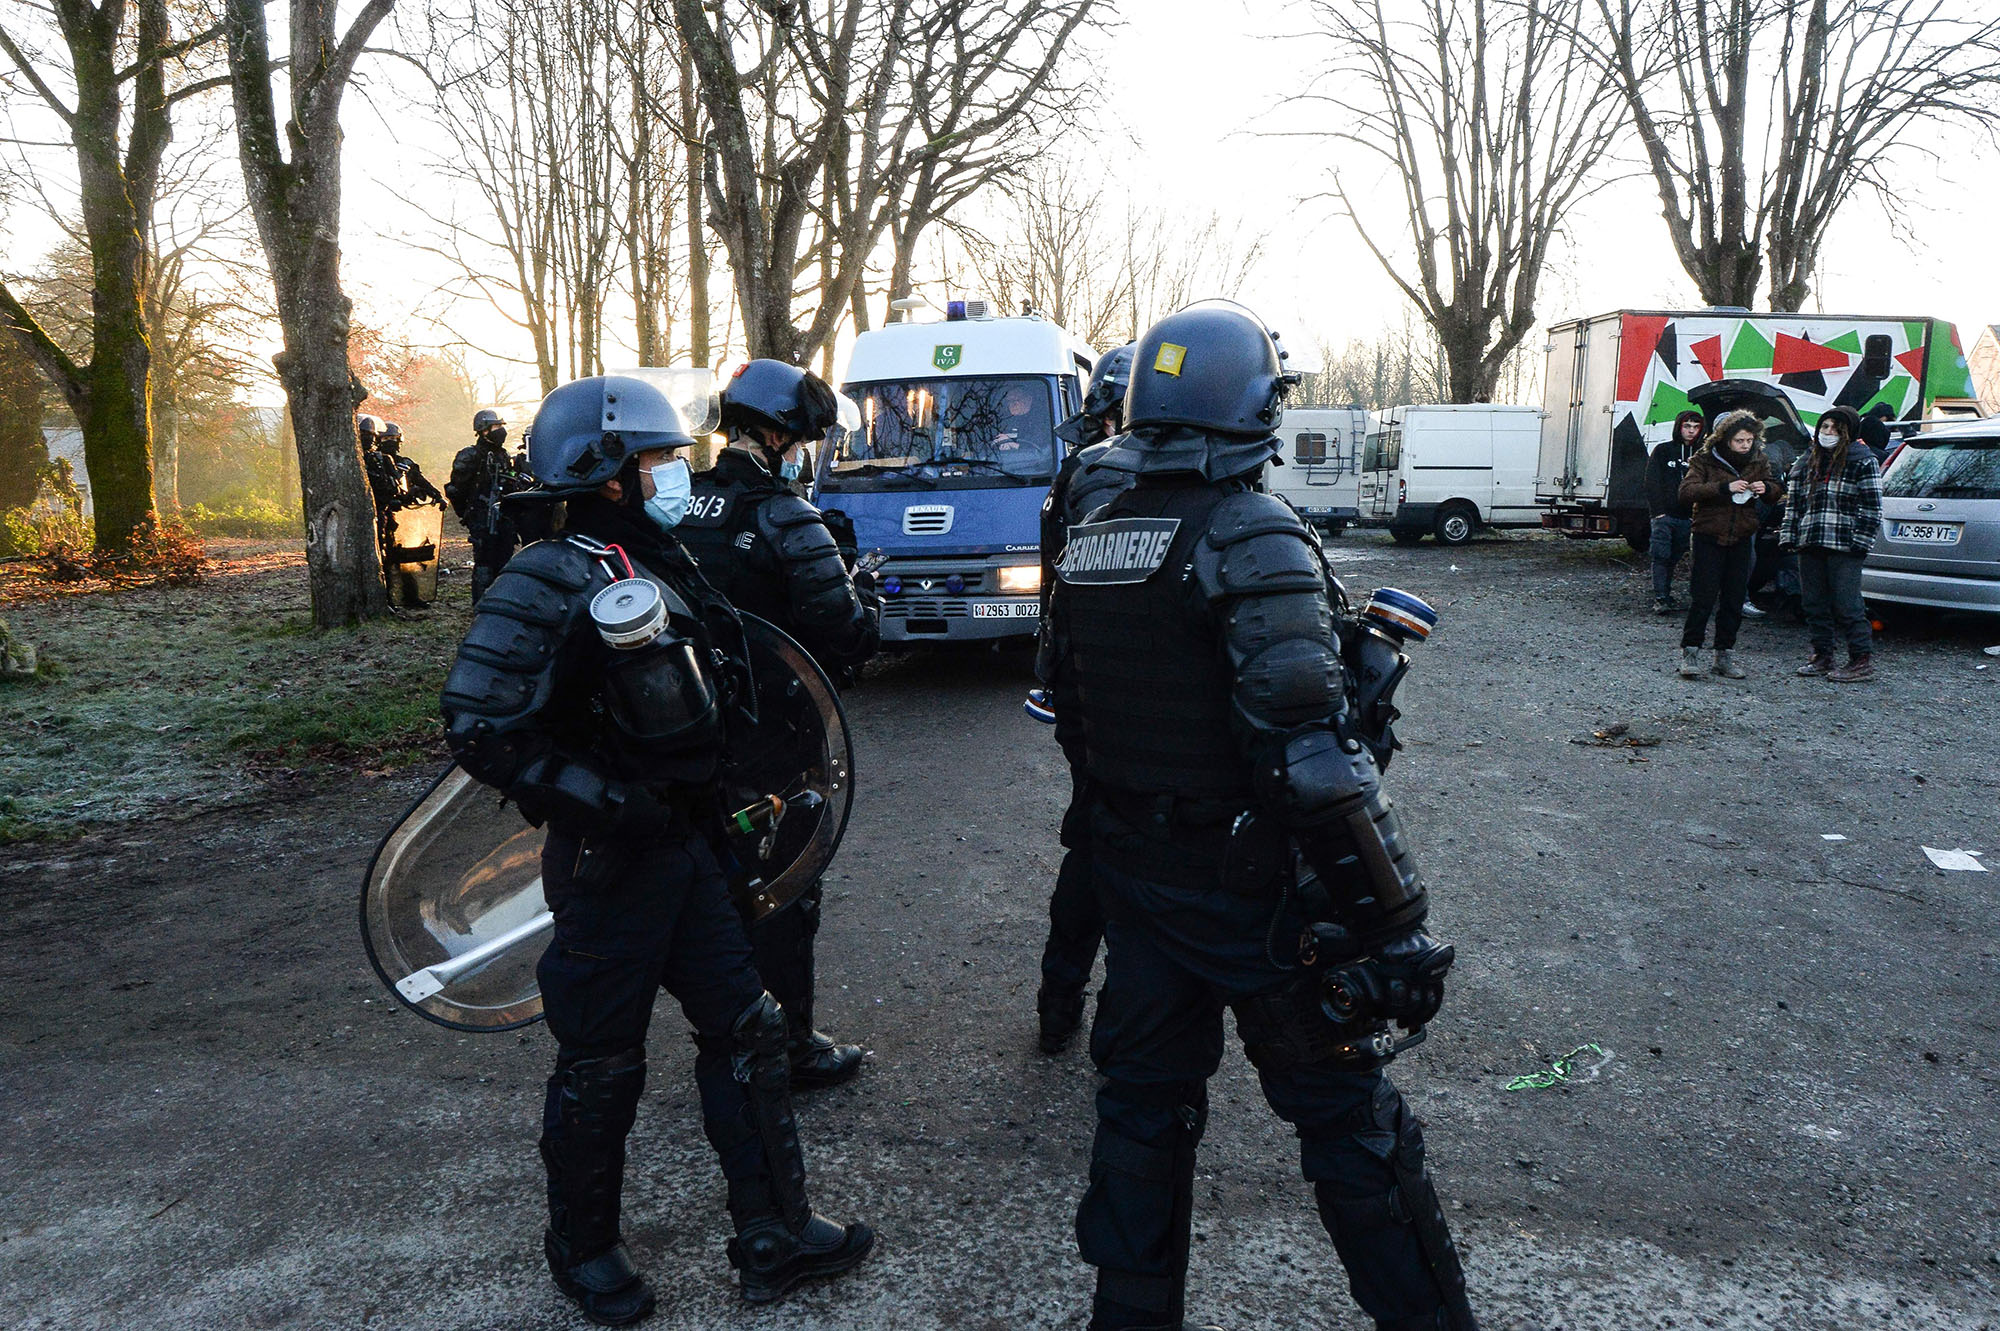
1940	542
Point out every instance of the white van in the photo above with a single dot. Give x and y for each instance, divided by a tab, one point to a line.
1450	470
1322	462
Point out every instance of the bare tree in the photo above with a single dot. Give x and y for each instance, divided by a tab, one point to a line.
821	116
1492	120
1761	119
1104	268
118	60
295	197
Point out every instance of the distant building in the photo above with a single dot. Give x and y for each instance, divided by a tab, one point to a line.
66	441
1984	362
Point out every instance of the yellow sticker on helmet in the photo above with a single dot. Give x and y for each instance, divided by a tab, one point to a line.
1170	359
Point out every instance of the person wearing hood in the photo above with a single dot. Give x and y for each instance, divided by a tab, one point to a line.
1832	521
1672	521
1721	487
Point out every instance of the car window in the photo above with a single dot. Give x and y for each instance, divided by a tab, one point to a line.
1945	469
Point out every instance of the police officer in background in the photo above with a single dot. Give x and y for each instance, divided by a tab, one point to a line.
1076	926
771	554
615	750
1242	847
411	485
481	475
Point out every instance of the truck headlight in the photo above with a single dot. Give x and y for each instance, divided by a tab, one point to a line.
1021	579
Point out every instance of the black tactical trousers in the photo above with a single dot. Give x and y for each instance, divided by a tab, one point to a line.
490	553
1175	957
781	945
633	919
1076	926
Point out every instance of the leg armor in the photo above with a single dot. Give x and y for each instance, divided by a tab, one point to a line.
782	944
1135	1220
1395	1244
588	1114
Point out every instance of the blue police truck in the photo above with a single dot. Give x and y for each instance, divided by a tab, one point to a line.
947	472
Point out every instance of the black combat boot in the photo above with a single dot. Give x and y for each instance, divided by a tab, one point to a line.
591	1103
1060	1008
816	1059
779	1240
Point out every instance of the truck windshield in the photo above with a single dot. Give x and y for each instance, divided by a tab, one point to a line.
953	433
1947	469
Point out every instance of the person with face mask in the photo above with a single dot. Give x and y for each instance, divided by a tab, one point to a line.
1722	486
481	476
772	554
1672	520
1832	519
612	739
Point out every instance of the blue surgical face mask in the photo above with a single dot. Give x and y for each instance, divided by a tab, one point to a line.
673	486
791	467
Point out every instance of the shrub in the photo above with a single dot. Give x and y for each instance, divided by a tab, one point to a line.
254	516
54	519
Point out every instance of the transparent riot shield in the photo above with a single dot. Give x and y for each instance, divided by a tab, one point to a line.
452	912
410	557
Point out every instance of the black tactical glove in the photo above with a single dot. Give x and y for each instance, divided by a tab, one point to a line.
1401	981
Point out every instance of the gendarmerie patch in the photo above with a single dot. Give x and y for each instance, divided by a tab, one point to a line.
1117	550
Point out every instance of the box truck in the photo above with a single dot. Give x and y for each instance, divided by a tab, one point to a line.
1615	382
1447	471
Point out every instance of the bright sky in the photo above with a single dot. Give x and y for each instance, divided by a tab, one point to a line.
1189	85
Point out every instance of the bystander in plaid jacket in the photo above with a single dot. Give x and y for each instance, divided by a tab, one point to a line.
1833	509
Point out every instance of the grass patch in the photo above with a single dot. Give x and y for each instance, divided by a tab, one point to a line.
149	704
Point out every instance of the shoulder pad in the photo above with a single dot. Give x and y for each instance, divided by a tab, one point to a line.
567	563
1256	546
1247	514
788	510
797	530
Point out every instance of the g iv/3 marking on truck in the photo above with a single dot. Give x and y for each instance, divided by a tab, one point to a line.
1120	550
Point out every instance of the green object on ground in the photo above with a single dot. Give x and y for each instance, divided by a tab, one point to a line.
1556	1072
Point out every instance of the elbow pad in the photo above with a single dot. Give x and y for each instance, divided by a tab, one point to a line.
1330	796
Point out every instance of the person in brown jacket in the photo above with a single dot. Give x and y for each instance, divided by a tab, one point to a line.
1722	483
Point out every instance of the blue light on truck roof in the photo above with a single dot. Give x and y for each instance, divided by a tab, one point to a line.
954	309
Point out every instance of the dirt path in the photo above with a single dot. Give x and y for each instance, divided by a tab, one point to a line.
215	1117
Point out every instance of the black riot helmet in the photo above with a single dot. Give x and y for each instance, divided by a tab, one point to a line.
489	425
772	395
1208	390
1108	382
368	427
390	436
583	432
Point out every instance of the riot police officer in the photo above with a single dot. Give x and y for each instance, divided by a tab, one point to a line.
592	688
1243	851
771	553
411	485
1076	926
481	475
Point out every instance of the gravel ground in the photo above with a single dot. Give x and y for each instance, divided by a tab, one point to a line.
215	1117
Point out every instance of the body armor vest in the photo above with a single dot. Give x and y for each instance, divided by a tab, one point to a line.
720	531
1147	655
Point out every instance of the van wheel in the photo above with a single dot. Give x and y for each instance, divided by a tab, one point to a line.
1455	524
1404	536
1638	533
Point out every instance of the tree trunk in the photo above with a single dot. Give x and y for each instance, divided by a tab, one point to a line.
167	456
297	206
